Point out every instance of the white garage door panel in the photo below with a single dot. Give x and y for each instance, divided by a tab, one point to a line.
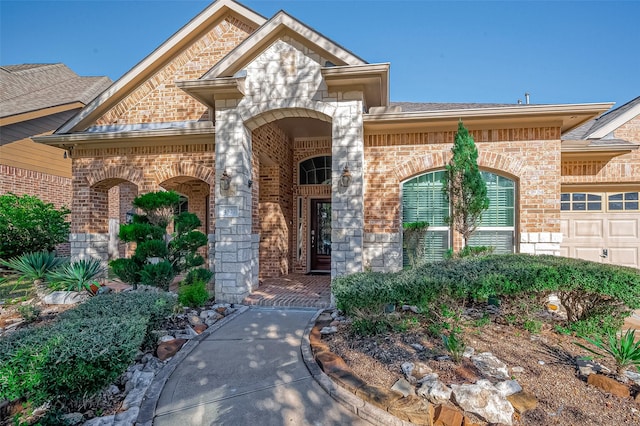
591	229
625	256
623	228
587	234
588	253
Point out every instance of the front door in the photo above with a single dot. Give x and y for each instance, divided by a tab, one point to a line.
320	237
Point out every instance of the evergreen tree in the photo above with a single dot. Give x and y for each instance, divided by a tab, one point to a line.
464	187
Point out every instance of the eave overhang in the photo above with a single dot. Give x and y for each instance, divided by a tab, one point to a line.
595	149
208	91
371	79
565	116
200	132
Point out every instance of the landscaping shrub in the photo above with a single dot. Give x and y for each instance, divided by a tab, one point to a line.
27	224
77	276
34	266
158	275
193	295
198	274
82	351
595	295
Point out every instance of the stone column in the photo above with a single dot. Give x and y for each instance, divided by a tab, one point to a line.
234	268
347	203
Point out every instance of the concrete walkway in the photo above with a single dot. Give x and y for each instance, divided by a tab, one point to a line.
250	372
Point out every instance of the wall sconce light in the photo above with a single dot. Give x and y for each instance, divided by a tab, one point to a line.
68	150
249	183
345	177
225	181
128	216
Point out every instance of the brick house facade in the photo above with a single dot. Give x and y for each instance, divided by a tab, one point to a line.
319	159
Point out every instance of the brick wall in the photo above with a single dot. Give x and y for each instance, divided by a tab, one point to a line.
186	168
533	164
159	100
49	188
273	164
620	169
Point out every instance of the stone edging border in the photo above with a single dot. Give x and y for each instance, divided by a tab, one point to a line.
151	397
361	408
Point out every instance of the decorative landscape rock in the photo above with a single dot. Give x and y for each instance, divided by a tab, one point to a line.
404	387
523	401
412	409
587	367
447	416
635	377
65	298
609	385
490	366
484	400
329	330
435	391
508	387
168	349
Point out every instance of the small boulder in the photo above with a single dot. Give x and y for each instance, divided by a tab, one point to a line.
447	416
194	319
490	366
508	387
200	328
168	349
65	298
329	330
435	391
484	400
523	401
609	385
404	387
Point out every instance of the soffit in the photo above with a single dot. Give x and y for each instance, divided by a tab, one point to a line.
563	116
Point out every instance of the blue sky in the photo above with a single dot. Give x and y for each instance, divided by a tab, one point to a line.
455	51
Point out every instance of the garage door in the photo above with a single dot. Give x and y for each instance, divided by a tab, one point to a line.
602	227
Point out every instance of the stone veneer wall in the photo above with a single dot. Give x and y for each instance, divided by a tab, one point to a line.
391	159
284	81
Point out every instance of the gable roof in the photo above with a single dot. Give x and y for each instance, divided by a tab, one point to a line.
281	23
606	123
130	80
31	87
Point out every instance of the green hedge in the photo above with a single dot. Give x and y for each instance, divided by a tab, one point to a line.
586	288
80	353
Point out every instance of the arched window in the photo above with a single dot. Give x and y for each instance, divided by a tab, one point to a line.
424	200
315	171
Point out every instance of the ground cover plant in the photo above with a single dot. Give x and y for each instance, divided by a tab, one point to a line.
70	359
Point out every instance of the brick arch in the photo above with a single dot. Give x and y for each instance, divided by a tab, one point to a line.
438	160
277	109
116	174
194	170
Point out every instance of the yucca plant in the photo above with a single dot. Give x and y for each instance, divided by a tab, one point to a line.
34	266
78	275
624	350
